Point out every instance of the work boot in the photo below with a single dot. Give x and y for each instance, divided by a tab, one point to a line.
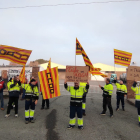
81	128
2	109
123	109
33	121
111	115
7	115
47	107
42	108
117	109
84	114
26	122
103	114
70	127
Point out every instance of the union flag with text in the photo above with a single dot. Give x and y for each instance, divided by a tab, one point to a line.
122	58
49	82
22	75
85	57
15	55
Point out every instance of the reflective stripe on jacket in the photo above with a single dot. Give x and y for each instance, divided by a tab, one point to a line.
121	89
108	90
76	95
31	93
15	90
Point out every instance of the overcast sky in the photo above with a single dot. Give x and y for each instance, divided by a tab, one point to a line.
52	31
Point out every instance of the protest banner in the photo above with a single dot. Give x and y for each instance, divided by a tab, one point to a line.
16	71
133	73
77	73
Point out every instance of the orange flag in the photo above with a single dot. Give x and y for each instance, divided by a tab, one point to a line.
98	73
122	58
16	55
22	75
80	51
49	82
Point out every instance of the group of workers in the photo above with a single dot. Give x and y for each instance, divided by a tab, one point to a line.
31	96
77	101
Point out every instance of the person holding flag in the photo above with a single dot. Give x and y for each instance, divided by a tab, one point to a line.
77	94
45	100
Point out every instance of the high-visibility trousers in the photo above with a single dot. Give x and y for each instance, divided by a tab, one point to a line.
29	109
73	111
84	104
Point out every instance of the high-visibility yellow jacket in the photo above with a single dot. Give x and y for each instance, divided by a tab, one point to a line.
31	93
83	84
8	85
121	89
137	92
76	95
14	90
107	90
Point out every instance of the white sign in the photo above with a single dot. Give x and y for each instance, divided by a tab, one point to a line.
16	71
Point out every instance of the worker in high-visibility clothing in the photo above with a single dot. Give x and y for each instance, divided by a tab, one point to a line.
84	99
14	91
136	89
31	97
107	92
8	86
76	103
121	92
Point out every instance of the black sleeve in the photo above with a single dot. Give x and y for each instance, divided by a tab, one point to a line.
102	88
87	86
12	85
66	86
19	83
134	84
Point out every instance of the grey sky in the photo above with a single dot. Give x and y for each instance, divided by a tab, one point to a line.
52	31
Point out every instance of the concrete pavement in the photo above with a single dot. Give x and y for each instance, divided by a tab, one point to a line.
52	124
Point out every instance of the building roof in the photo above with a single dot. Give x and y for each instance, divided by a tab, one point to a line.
105	67
53	65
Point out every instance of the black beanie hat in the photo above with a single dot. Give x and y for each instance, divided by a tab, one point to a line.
33	80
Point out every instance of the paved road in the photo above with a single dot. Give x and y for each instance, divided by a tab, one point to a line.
52	124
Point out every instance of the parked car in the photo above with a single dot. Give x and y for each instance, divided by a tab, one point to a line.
113	77
123	77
